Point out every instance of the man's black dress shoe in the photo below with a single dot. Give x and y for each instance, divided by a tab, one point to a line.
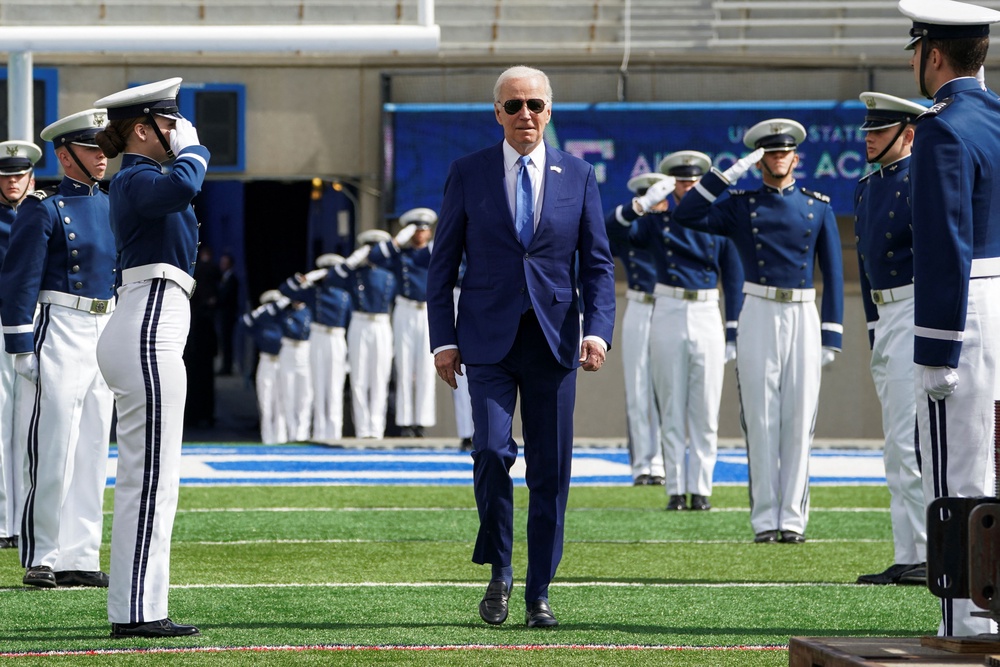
82	578
766	537
791	537
676	503
656	480
493	606
162	628
641	480
8	542
894	574
41	576
466	445
700	503
539	615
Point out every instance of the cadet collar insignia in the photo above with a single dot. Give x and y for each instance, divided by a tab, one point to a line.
816	195
39	194
893	166
737	193
936	109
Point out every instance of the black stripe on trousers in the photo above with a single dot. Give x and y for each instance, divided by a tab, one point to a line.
939	445
151	469
27	518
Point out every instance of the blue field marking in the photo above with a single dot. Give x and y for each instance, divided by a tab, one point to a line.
212	465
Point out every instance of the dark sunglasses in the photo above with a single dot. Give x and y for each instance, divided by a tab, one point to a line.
514	106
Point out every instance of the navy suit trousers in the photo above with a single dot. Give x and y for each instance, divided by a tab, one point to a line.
548	393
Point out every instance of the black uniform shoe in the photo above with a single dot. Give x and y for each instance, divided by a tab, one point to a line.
766	537
656	480
539	615
493	606
700	502
791	537
466	445
8	542
893	573
676	503
405	431
162	628
418	431
916	576
82	578
641	480
41	576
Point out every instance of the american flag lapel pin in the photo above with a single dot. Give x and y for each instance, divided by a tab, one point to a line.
556	169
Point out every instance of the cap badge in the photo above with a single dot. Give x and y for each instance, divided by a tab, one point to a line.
870	102
98	120
777	128
12	151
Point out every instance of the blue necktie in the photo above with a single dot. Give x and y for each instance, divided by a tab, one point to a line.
524	204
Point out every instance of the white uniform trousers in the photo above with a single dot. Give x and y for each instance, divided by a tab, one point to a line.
462	400
11	451
328	358
892	371
778	371
415	372
641	411
369	352
67	444
956	434
273	429
688	358
296	387
141	357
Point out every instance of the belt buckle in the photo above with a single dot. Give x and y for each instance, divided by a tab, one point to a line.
783	295
690	295
648	298
877	297
99	306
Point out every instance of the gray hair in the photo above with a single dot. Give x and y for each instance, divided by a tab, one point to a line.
522	72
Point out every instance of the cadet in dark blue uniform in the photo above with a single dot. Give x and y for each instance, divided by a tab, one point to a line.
882	222
643	418
369	336
408	255
264	326
955	186
294	371
17	179
330	304
689	342
61	261
780	231
140	351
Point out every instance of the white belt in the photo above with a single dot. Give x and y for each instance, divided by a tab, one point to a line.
986	267
326	328
686	294
169	271
294	342
374	317
880	296
782	294
641	297
412	303
87	305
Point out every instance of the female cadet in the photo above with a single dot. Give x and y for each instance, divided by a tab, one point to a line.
140	351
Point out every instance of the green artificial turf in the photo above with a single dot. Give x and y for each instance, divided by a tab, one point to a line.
368	566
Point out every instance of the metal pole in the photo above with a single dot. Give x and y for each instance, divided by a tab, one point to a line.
425	13
20	97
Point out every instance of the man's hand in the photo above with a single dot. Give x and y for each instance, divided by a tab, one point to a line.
828	355
448	364
358	257
26	365
315	276
656	193
940	381
592	356
742	166
404	235
730	351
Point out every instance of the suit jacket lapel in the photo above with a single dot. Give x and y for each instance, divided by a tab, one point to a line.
552	183
497	186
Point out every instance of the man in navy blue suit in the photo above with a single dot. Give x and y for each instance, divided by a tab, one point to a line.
530	221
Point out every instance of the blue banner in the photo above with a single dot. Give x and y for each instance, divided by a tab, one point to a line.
623	140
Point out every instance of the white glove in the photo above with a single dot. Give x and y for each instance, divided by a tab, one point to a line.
940	381
26	365
404	235
358	257
730	351
828	355
315	276
282	302
656	193
742	166
183	135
